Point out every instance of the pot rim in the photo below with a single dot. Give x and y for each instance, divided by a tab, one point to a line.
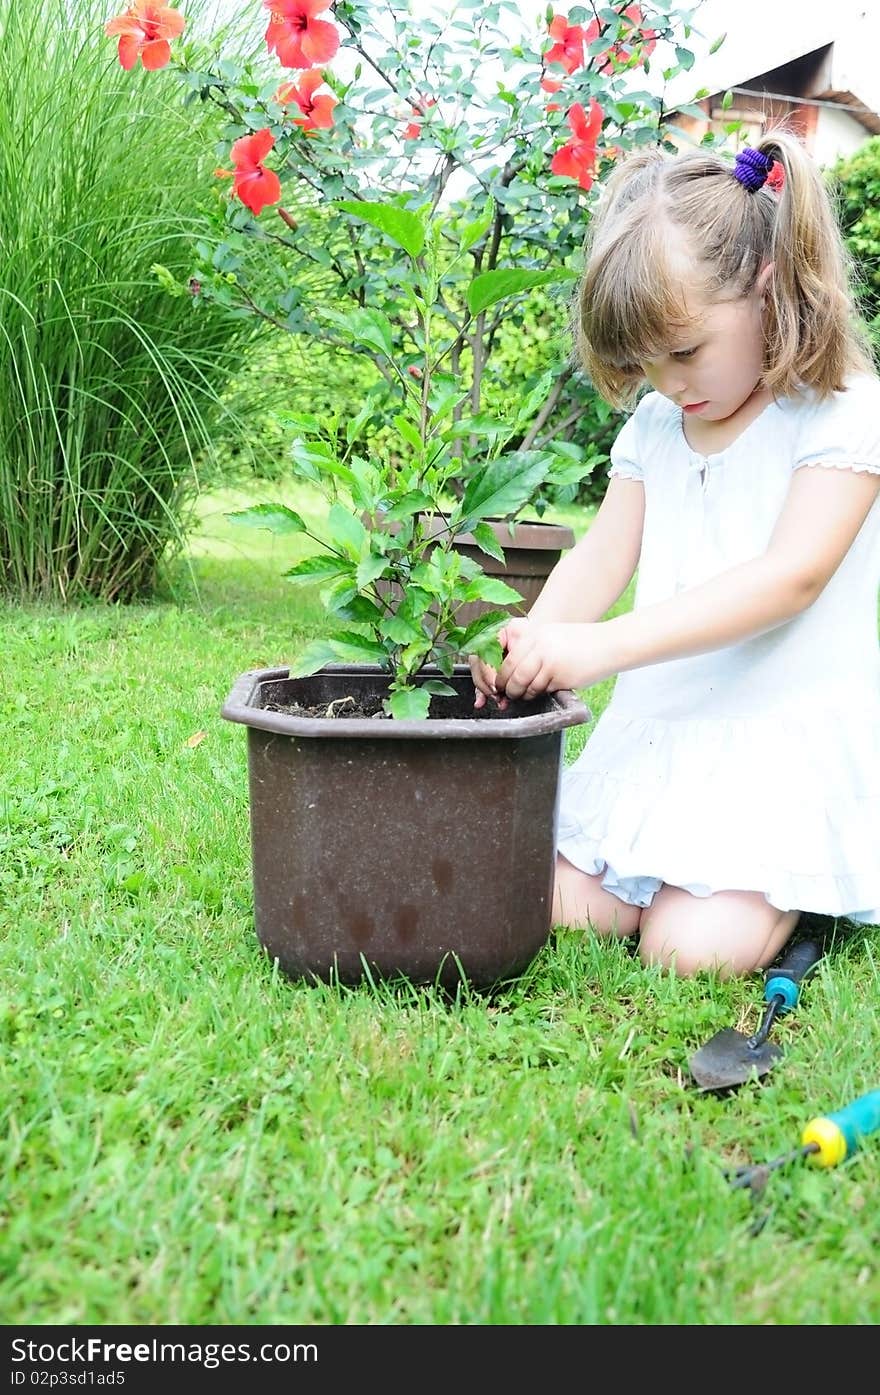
565	710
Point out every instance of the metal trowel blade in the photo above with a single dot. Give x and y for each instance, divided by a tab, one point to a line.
727	1059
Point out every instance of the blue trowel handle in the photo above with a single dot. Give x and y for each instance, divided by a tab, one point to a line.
783	979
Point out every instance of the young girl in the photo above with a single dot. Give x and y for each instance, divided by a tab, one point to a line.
734	779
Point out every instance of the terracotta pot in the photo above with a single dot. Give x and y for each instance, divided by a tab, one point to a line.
400	847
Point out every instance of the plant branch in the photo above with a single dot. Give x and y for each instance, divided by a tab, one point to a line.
547	410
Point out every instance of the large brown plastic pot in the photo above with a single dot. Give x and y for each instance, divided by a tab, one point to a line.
400	845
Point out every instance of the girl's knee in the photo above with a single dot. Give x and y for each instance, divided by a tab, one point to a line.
581	902
667	949
730	933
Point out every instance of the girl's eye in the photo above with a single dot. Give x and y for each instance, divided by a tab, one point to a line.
685	353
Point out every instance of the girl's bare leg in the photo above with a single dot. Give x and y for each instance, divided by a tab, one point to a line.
580	900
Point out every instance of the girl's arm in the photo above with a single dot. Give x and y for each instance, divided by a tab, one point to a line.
586	582
822	515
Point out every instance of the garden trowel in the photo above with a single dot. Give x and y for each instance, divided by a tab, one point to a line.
730	1057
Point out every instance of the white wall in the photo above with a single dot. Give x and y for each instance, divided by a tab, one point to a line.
762	34
837	135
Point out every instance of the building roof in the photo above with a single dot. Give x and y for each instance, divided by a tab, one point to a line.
763	36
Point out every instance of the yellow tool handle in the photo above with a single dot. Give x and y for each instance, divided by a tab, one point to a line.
833	1137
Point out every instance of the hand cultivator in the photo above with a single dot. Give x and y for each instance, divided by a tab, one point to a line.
825	1141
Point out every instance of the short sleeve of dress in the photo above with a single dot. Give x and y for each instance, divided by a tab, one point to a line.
843	432
625	453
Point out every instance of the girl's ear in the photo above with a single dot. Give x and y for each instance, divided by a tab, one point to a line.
764	277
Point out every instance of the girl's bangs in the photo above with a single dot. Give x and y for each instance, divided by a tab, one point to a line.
637	305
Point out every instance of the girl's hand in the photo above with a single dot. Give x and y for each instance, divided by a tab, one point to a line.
542	658
486	679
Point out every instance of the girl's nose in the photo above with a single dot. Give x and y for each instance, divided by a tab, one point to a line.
670	382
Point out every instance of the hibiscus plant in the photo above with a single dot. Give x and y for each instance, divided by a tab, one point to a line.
403	205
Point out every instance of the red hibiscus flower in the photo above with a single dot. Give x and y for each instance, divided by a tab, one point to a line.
577	158
144	31
297	36
415	126
256	186
638	46
568	45
317	112
776	177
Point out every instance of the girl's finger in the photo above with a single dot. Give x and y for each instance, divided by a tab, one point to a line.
483	679
522	676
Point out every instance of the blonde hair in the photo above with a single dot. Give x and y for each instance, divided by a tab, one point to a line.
632	296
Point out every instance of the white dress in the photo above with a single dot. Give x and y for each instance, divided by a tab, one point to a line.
755	767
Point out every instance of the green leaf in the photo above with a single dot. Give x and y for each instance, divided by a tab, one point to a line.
399	224
492	589
353	648
535	398
414	655
691	109
413	502
401	631
409	704
313	657
275	518
483	631
312	458
359	609
727	100
487	542
367	328
482	425
346	530
318	568
415	602
303	421
446	392
573	471
716	43
369	568
437	688
356	424
685	58
472	232
409	432
493	286
504	486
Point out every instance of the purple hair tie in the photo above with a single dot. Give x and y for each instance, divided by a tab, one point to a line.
752	168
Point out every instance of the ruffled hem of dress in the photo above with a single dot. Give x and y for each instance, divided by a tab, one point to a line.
785	806
640	889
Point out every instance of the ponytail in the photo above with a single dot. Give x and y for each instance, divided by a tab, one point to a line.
814	334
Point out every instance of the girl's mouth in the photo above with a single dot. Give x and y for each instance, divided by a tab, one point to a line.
695	407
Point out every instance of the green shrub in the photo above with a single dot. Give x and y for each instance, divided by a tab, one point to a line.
856	183
535	336
111	387
283	379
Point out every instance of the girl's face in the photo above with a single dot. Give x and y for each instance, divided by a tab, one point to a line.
716	366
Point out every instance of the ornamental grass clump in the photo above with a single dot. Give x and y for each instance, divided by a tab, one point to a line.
402	205
112	390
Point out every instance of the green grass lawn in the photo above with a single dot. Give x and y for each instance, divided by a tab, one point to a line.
192	1139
